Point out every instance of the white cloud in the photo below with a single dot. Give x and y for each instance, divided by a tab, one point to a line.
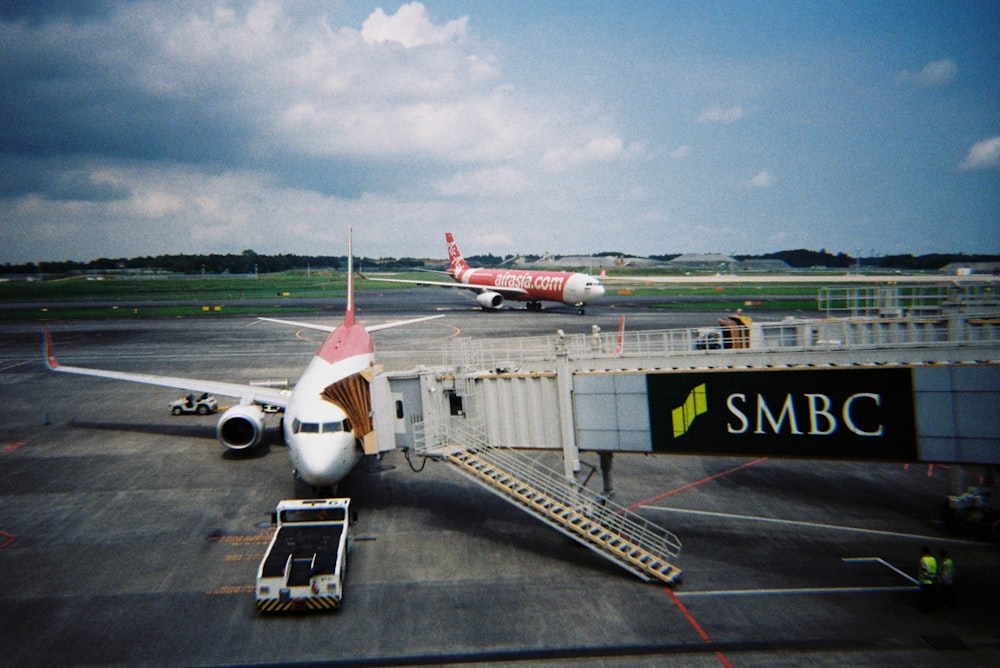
681	152
935	73
410	27
597	150
722	115
762	179
502	181
982	155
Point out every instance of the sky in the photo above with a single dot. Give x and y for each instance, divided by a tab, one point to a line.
194	126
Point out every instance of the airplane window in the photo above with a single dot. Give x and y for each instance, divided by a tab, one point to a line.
299	427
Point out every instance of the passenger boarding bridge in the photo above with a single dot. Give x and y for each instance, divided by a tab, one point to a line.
906	384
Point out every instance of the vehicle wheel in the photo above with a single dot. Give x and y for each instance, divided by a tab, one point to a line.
176	410
202	409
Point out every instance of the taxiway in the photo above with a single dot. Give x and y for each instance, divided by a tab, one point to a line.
130	537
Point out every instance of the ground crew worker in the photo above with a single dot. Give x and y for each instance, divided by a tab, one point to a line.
946	578
928	577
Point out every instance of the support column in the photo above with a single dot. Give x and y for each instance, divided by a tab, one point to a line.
567	430
607	459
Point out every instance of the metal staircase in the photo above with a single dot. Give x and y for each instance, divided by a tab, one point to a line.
612	531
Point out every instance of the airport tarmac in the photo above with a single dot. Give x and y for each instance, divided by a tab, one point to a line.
131	537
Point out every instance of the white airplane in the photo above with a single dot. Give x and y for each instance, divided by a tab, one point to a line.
493	286
327	414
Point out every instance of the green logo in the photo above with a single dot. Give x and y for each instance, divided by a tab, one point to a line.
693	406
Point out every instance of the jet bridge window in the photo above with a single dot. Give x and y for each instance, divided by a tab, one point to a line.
299	427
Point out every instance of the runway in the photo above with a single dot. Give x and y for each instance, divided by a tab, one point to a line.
130	537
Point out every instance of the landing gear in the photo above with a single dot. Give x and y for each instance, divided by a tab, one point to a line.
534	306
303	490
580	311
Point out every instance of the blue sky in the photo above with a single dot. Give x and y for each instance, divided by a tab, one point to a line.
145	128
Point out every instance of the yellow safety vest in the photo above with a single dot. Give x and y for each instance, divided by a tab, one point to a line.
948	571
928	569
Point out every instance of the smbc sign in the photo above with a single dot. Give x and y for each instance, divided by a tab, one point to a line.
838	413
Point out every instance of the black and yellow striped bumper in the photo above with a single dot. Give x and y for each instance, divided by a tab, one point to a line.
298	604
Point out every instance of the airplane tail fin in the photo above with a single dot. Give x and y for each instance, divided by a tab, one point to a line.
456	263
349	313
50	353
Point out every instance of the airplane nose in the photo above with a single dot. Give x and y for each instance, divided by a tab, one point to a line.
596	291
324	460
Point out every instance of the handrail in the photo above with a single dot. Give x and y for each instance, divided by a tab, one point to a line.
790	335
449	436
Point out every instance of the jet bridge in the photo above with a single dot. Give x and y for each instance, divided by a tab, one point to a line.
903	389
911	389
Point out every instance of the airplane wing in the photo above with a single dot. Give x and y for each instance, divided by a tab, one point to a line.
247	394
370	328
461	286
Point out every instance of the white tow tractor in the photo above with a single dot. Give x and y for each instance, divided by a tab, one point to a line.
304	566
206	404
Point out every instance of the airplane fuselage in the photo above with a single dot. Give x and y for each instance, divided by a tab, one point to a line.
495	285
556	286
321	441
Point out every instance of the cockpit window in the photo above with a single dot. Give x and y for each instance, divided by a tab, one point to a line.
299	427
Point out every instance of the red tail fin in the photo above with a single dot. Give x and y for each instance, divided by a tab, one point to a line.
456	263
50	353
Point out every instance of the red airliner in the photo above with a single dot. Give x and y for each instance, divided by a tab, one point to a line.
494	286
327	415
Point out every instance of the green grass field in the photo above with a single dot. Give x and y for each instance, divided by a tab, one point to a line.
114	297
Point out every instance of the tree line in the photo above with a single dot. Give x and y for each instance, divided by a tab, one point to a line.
247	262
250	262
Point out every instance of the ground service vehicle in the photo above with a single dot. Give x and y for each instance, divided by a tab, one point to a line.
206	404
303	568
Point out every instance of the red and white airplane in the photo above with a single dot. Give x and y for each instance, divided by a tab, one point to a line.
327	415
496	285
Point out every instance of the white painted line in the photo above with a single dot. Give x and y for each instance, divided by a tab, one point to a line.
789	591
817	525
880	560
815	590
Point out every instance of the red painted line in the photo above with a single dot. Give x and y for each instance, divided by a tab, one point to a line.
12	447
696	483
9	539
697	627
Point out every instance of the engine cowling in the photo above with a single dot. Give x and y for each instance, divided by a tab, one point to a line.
490	300
241	427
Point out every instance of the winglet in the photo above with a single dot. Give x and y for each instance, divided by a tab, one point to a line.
349	315
50	353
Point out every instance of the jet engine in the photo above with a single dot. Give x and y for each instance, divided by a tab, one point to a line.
490	300
241	427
